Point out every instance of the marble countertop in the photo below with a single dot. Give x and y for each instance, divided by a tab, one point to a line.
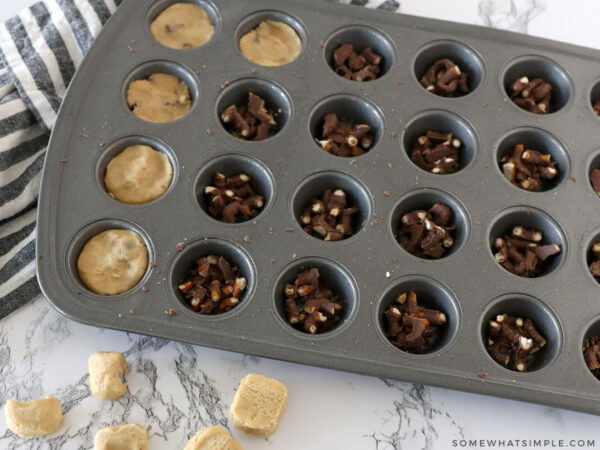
175	388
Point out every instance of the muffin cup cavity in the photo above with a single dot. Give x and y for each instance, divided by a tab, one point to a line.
543	318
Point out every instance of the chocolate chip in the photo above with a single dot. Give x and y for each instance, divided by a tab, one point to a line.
410	327
427	234
232	200
330	217
437	152
213	286
352	66
512	340
309	305
343	139
253	121
591	354
533	96
445	78
528	169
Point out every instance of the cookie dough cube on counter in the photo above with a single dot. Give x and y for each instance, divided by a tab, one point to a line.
212	438
106	371
129	436
35	418
258	405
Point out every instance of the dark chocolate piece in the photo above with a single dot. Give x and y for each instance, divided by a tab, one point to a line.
427	234
533	96
329	218
253	121
309	305
343	139
528	169
411	328
437	152
445	78
214	286
352	66
232	199
591	355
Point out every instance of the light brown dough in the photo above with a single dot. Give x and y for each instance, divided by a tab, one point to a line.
129	436
213	438
272	43
258	405
159	98
182	26
35	418
106	370
113	261
139	174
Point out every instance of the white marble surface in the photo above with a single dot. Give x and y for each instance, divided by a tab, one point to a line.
174	388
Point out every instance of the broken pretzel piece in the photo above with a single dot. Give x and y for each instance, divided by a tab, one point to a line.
511	340
252	122
427	233
445	78
591	354
330	217
437	152
411	328
214	286
309	305
528	169
232	199
358	67
533	96
343	139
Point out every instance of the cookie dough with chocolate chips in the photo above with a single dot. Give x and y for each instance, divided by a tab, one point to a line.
528	169
182	26
271	43
113	261
353	66
533	96
427	234
445	78
330	217
437	152
159	98
139	174
343	139
252	122
591	354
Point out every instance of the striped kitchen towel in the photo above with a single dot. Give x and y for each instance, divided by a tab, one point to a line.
40	50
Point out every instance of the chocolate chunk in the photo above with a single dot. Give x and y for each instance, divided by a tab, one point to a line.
427	233
445	78
232	200
365	66
410	327
437	152
309	305
591	355
528	169
329	218
213	286
343	139
533	96
253	121
595	180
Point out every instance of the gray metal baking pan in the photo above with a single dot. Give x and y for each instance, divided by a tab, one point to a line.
370	268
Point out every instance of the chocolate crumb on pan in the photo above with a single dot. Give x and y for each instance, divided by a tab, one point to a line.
365	66
533	96
427	234
595	180
310	306
344	139
330	217
523	252
528	169
437	152
253	121
445	78
232	199
595	261
214	286
511	341
410	327
591	354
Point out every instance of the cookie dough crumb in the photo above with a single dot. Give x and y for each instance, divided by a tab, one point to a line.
258	405
34	418
106	372
129	436
212	438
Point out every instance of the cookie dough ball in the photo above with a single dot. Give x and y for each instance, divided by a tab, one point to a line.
272	43
159	98
129	436
113	261
35	418
182	25
213	438
258	405
106	371
139	174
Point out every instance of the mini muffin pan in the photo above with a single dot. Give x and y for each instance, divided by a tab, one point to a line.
369	269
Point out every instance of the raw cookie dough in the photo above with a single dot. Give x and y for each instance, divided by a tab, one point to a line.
129	436
182	25
213	438
34	418
258	405
271	43
159	98
113	261
139	174
106	370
